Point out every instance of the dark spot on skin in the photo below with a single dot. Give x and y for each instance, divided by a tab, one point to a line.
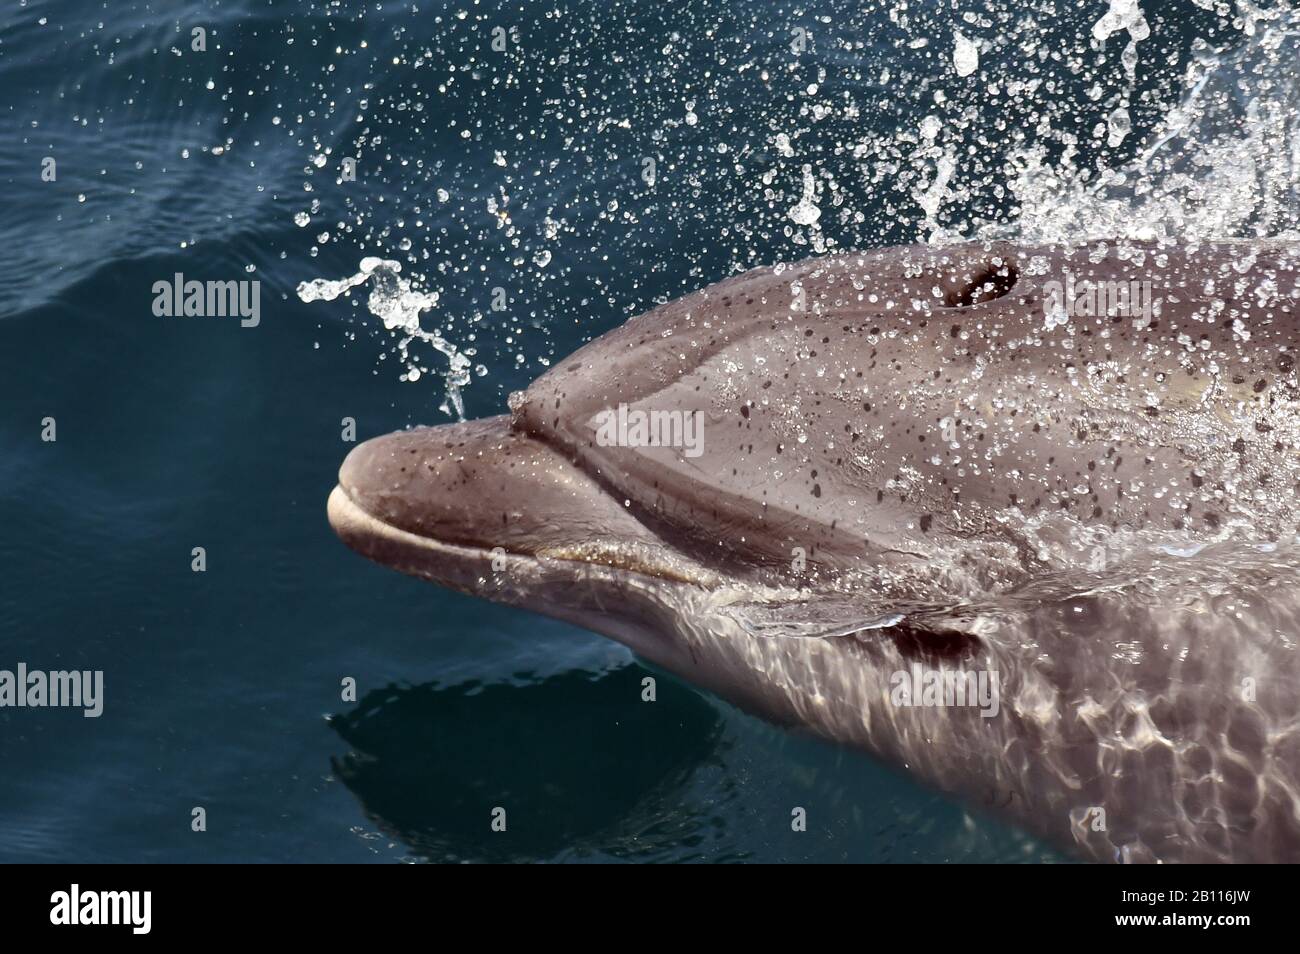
817	490
921	643
1285	363
926	521
744	410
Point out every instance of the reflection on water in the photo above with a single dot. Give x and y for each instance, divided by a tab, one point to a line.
430	763
588	771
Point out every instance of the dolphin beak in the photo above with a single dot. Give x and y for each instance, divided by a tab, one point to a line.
464	484
486	510
480	485
456	502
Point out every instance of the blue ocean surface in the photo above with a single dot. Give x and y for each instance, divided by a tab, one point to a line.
499	153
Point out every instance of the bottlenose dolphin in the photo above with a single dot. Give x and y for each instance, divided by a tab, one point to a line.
1021	521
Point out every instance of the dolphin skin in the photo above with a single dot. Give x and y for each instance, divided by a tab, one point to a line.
1019	521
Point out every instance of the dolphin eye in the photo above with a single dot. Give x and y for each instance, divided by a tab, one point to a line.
988	281
933	644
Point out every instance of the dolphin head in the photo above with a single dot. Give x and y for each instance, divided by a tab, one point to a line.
945	454
912	424
723	443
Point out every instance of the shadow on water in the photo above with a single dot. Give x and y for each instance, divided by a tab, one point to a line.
579	762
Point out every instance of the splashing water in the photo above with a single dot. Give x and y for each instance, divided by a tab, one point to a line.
965	55
1224	163
398	306
517	173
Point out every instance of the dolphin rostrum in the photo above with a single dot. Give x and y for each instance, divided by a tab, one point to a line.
1021	521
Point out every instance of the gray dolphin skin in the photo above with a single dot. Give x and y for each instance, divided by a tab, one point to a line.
1019	521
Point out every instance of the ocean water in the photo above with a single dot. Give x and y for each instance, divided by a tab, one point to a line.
539	173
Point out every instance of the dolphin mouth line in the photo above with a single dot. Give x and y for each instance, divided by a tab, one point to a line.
418	554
